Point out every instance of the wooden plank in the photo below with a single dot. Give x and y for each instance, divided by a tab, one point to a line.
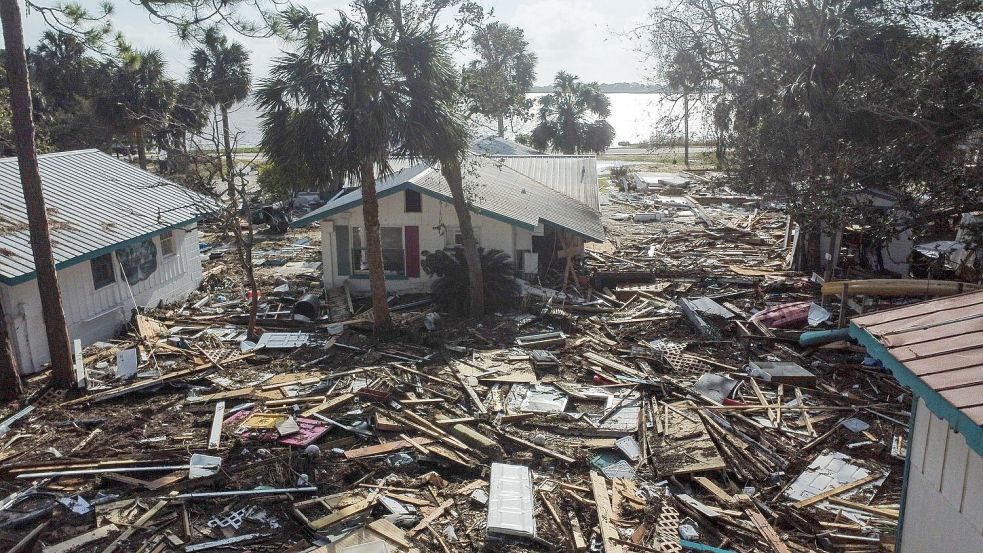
715	490
215	436
835	491
381	449
332	403
342	514
81	539
609	534
890	514
151	513
579	543
767	531
540	449
432	516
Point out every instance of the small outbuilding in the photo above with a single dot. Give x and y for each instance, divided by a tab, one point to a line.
532	207
936	349
122	238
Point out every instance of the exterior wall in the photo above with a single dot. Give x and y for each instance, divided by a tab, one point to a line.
434	220
94	315
943	507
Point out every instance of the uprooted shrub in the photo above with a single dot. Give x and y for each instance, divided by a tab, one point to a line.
450	291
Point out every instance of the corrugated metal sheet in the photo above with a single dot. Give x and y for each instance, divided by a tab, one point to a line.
941	343
94	202
495	190
573	176
496	146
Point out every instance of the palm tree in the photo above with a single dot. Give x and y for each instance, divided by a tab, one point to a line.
139	96
56	329
221	70
572	117
357	92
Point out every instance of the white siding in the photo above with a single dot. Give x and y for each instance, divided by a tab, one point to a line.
94	315
944	497
435	217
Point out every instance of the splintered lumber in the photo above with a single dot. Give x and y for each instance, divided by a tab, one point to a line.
767	531
339	515
330	404
835	491
609	534
382	449
889	287
81	539
890	514
541	449
215	436
475	400
151	513
427	520
715	490
579	543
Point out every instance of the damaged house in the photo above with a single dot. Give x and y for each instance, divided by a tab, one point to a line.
535	208
122	237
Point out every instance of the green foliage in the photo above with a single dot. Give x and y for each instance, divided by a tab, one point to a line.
279	183
572	118
623	176
824	104
373	84
220	70
139	93
450	290
496	84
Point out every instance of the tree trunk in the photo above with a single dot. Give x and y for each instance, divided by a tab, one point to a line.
476	278
10	385
501	126
686	130
227	142
381	322
30	177
141	148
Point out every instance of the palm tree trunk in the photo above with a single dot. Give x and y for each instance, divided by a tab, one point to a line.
30	177
476	279
10	385
227	142
501	126
381	322
686	129
141	147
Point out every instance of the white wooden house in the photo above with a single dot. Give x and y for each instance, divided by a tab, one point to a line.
528	206
121	237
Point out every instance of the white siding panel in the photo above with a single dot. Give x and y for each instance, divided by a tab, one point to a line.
919	435
938	431
972	506
954	469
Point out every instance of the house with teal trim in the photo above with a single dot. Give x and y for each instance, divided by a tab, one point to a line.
536	208
122	237
935	348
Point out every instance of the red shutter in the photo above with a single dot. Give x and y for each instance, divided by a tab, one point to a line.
412	245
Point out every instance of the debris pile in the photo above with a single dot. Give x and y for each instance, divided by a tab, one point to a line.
669	405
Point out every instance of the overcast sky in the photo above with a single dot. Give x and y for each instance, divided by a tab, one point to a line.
584	37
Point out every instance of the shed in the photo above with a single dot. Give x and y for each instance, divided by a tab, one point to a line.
121	236
936	349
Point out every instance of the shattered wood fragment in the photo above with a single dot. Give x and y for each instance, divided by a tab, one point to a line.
609	534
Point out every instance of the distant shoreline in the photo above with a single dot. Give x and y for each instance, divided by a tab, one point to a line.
614	88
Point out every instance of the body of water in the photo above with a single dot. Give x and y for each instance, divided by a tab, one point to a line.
635	118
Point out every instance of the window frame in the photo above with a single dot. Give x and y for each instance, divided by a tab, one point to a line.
358	239
99	285
407	194
169	236
450	237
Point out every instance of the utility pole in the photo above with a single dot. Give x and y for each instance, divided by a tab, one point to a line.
30	177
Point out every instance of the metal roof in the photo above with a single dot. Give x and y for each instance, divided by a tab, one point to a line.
95	203
571	175
936	348
495	189
498	146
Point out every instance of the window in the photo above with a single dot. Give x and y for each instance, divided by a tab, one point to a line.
102	271
167	246
414	201
393	255
453	237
